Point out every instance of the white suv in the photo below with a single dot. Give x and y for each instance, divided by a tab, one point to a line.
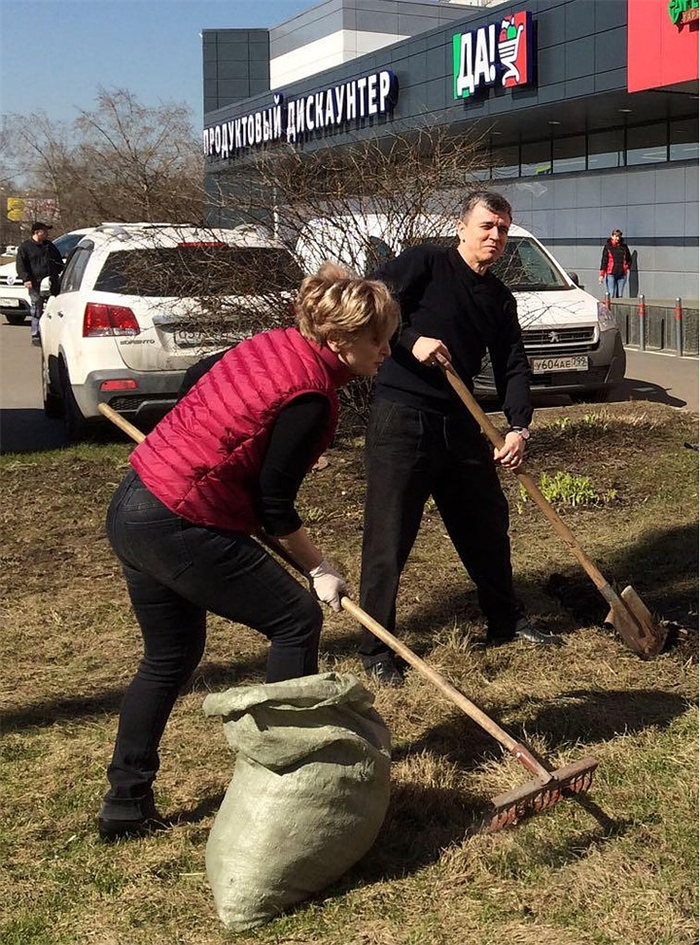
140	303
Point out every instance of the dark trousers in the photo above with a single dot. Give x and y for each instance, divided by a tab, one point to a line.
175	572
409	456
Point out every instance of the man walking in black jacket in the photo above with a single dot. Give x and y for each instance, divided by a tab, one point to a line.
38	258
421	441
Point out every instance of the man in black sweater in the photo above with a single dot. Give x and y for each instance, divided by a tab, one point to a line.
421	441
38	258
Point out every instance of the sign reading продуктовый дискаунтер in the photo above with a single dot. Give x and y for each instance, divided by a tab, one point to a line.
290	120
498	53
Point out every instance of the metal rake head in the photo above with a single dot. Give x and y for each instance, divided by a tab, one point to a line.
513	806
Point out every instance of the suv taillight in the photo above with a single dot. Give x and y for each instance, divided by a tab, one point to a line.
100	321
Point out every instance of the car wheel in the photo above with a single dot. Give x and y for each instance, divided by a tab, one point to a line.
53	402
17	319
74	423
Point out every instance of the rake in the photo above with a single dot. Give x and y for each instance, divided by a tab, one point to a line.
547	787
628	612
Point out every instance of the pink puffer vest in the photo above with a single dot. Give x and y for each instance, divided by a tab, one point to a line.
203	459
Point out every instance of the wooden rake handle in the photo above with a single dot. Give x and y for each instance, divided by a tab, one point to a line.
529	484
120	422
520	751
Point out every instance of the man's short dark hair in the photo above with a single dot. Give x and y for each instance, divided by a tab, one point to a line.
495	203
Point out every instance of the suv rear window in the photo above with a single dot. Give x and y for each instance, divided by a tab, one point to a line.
196	271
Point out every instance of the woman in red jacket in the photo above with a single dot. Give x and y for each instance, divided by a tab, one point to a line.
225	463
615	264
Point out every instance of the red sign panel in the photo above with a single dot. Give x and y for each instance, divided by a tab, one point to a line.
659	51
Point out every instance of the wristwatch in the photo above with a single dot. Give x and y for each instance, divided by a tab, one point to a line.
522	431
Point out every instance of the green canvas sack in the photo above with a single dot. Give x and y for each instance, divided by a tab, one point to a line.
309	792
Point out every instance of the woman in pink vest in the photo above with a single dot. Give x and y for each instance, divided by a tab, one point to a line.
225	463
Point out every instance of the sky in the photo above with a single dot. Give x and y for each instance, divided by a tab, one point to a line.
56	54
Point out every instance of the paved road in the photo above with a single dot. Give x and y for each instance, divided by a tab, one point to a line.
23	426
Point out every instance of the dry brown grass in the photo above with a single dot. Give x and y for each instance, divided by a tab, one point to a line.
621	869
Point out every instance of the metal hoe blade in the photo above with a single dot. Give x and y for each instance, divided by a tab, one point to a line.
633	621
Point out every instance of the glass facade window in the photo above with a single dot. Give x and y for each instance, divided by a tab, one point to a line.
647	144
569	154
684	140
536	159
606	149
506	162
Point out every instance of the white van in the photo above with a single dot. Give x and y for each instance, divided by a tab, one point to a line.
572	339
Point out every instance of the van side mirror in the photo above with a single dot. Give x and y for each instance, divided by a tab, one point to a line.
574	278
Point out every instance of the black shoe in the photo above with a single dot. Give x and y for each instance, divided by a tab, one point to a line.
36	342
525	631
129	817
490	641
385	672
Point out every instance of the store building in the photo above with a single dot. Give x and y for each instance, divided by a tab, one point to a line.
592	109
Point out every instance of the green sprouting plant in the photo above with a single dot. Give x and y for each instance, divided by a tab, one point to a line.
566	489
561	423
595	420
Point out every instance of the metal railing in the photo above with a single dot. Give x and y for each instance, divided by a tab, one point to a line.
654	326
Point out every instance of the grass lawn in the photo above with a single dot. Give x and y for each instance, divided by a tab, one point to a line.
618	868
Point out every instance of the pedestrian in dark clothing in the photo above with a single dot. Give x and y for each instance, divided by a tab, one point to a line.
420	439
37	259
615	264
223	465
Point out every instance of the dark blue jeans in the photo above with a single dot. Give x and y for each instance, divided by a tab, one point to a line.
36	309
175	572
410	455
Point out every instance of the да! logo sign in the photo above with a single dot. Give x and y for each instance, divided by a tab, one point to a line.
499	53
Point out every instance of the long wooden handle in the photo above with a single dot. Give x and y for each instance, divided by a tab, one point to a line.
120	422
436	678
467	398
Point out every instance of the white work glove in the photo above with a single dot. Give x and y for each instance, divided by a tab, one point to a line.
328	585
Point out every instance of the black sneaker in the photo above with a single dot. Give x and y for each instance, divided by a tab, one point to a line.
129	817
524	630
385	672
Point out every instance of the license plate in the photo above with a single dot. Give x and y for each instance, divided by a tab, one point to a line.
9	303
550	365
187	339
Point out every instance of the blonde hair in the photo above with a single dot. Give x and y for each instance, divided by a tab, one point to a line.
337	303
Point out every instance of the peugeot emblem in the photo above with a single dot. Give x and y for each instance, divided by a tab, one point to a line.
553	337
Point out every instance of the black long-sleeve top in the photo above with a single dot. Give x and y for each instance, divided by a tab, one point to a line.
294	442
35	261
442	297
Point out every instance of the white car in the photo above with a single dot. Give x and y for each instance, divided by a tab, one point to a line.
140	303
571	339
14	298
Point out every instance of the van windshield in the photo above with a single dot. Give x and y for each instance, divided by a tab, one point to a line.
523	267
192	271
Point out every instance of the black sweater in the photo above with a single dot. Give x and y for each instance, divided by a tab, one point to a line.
35	261
442	297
